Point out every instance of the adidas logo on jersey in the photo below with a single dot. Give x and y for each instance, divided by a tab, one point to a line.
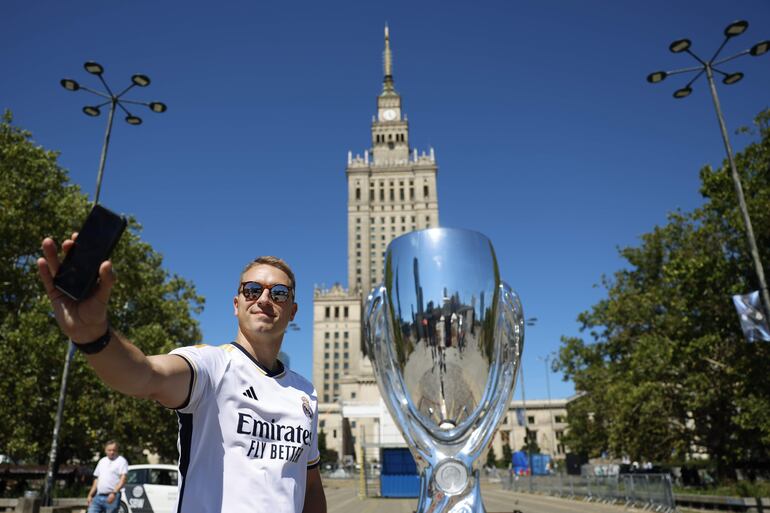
251	394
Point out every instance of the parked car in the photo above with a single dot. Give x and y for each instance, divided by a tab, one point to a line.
150	489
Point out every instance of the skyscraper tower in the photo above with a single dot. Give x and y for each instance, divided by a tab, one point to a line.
391	191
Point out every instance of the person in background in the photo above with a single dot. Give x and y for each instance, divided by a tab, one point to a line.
109	478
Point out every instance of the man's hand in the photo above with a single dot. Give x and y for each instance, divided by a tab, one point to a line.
111	497
82	321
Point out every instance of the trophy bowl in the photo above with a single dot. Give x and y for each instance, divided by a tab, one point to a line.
445	335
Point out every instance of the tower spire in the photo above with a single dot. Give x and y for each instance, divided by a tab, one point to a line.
387	59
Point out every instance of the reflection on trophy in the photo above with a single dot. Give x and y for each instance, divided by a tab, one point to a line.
445	335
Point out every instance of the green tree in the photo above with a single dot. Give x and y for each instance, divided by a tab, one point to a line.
667	372
154	309
530	443
327	455
491	457
507	456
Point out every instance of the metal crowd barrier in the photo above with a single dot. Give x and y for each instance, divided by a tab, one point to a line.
649	491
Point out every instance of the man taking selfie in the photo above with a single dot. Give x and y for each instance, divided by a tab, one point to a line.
247	426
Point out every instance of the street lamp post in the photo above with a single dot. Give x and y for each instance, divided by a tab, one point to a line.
550	407
115	100
709	67
529	322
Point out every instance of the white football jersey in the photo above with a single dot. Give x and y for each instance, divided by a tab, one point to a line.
247	437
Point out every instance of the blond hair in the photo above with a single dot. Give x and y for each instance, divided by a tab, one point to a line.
272	261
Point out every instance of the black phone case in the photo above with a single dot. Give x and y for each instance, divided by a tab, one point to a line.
74	280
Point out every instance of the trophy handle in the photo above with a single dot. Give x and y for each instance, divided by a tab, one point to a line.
389	378
509	329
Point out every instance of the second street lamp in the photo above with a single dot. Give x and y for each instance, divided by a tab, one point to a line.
709	68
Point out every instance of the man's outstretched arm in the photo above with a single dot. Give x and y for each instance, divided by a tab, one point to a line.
121	365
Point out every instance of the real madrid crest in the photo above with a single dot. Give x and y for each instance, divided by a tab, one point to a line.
306	407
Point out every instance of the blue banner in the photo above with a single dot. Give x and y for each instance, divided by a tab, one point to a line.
520	416
753	320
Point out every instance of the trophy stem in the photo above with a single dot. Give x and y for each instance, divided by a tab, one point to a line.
432	500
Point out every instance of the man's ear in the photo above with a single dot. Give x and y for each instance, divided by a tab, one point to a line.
235	306
293	311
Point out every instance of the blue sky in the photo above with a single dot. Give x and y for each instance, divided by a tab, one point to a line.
548	138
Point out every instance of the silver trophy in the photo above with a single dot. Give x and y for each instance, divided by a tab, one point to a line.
445	336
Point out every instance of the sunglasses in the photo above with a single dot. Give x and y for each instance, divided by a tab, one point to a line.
252	290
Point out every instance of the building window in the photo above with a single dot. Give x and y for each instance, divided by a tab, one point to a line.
352	395
326	398
358	193
326	345
345	334
353	424
346	315
558	419
334	433
327	316
326	365
336	315
530	419
425	191
322	424
345	345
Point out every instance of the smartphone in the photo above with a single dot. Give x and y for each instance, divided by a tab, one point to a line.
97	238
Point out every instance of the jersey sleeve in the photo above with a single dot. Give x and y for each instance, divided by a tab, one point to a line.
207	365
123	466
314	457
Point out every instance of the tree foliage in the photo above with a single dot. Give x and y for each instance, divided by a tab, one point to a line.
666	372
154	309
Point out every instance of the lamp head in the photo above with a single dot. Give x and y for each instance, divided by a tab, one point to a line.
680	45
140	80
93	67
158	107
732	78
760	48
736	28
91	110
69	84
133	120
682	93
658	76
